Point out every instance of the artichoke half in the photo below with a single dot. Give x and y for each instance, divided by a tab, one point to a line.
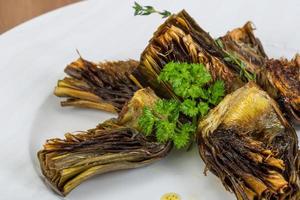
280	78
111	146
105	86
250	146
180	39
244	45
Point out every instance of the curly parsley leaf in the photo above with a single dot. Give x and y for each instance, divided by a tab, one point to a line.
165	130
200	74
203	108
182	138
168	108
186	79
189	108
217	92
146	121
198	92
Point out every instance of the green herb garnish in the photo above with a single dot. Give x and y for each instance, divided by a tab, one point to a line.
193	84
147	10
230	57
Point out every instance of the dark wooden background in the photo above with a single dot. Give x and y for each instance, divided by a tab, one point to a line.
14	12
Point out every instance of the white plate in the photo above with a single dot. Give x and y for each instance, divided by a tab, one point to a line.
34	55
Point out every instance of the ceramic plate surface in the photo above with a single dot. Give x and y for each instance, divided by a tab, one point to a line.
34	55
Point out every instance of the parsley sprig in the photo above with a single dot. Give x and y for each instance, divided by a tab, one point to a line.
163	120
193	84
147	10
232	58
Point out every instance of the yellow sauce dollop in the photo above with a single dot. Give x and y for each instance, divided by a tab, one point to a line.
170	196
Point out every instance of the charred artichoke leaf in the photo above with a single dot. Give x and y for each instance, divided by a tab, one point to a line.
105	86
180	39
284	75
242	43
250	146
111	146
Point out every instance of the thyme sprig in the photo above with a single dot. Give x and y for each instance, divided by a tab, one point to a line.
232	58
148	10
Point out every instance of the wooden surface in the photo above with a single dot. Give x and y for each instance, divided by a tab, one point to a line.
14	12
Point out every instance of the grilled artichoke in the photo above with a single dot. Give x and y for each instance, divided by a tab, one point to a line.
112	145
181	39
280	78
105	86
250	146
